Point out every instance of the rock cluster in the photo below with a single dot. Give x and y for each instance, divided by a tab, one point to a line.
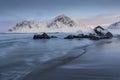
43	36
99	33
102	33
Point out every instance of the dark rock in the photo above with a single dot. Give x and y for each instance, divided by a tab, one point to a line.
10	30
30	26
53	36
109	35
94	37
69	37
81	35
41	36
76	36
99	31
102	33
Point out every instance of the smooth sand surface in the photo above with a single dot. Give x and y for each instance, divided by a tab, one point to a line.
101	61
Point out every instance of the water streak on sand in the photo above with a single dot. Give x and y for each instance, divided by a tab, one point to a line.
20	54
52	64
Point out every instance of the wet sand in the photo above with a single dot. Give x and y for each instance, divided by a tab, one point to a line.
99	62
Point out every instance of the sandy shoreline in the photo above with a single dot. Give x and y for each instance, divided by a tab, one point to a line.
100	62
50	65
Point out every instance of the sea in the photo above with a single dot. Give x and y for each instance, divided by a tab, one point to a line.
20	53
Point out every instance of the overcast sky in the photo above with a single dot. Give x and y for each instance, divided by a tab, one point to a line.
12	11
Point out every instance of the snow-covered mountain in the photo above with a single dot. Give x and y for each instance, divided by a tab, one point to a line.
63	23
64	20
60	23
115	28
115	25
102	20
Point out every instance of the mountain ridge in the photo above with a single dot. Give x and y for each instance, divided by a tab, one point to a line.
61	23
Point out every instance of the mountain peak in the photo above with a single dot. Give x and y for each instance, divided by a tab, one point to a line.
61	23
64	20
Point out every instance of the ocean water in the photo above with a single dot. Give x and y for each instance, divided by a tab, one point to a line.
20	54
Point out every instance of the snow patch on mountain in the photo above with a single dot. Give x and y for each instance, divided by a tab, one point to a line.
115	28
115	25
61	23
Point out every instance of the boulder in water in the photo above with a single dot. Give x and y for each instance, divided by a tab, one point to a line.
69	37
41	36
